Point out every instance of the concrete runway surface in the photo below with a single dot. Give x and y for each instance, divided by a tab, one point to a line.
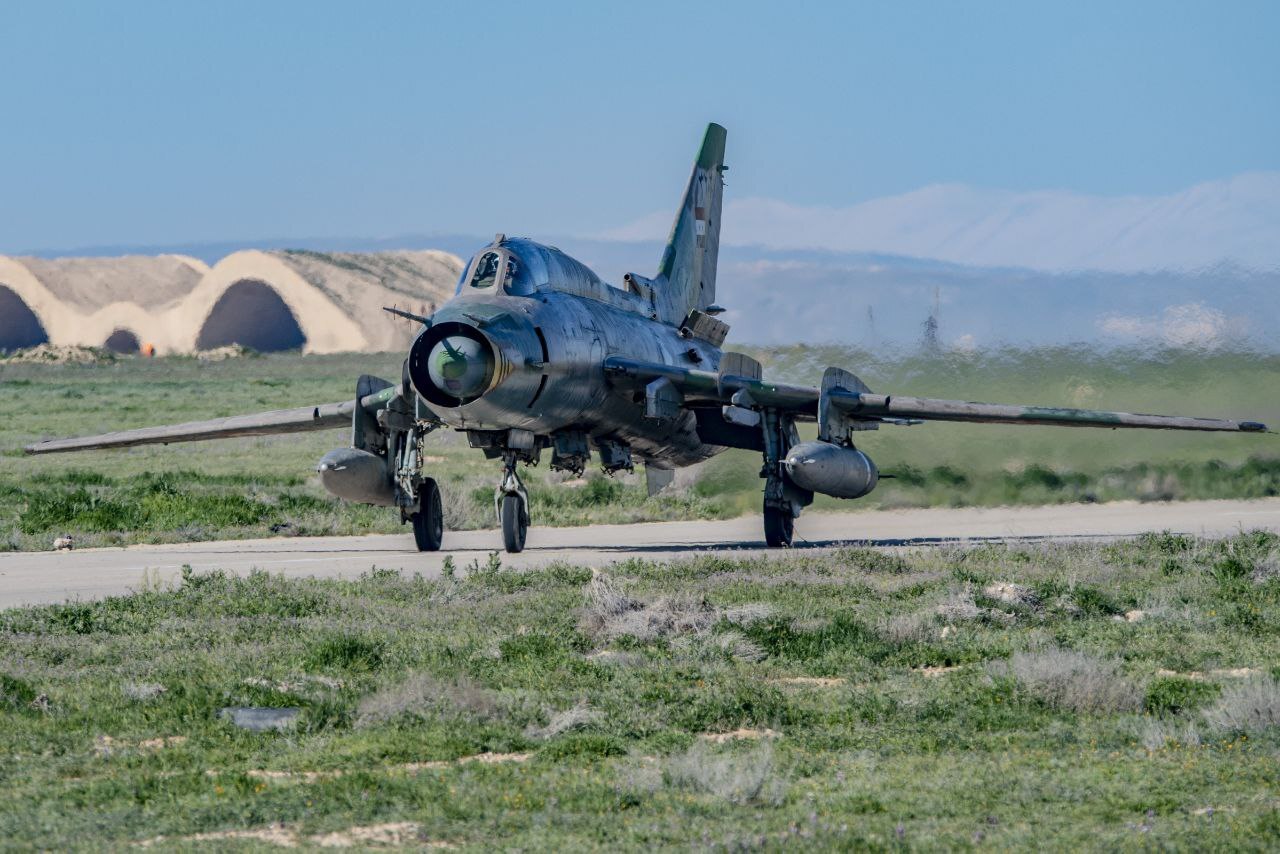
37	577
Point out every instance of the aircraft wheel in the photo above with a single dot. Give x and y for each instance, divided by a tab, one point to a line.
428	522
779	527
514	525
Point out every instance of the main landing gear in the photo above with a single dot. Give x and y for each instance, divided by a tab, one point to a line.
783	500
428	520
779	526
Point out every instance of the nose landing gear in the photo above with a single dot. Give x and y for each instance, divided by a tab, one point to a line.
512	504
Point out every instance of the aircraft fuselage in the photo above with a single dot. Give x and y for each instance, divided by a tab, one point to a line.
548	341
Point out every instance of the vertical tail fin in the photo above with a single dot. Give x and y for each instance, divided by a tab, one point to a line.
687	275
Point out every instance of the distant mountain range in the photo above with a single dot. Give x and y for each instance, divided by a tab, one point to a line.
1235	220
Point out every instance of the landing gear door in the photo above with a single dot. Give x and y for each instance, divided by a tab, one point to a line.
366	434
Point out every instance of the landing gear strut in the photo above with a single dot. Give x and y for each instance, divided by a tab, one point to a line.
512	503
783	500
418	496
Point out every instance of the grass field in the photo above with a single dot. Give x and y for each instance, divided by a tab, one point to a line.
1118	696
264	486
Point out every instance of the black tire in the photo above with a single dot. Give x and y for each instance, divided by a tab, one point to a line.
779	527
428	522
514	526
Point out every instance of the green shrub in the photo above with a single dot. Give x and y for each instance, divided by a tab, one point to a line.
356	653
1170	695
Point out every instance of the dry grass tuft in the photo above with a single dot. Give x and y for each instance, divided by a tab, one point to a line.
422	696
706	648
908	628
1156	734
610	613
1074	681
959	607
739	778
1012	594
1250	707
576	717
141	692
1267	569
748	613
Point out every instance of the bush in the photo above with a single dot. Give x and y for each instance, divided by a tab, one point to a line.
1250	707
15	693
1174	694
1071	680
745	778
346	652
421	696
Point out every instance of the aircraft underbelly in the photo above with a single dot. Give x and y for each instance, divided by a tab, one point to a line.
593	331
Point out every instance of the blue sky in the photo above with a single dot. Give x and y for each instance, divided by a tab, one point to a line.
152	123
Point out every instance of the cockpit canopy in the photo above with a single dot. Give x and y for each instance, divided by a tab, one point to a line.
520	267
496	269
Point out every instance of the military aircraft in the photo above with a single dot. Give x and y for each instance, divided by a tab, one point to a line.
535	353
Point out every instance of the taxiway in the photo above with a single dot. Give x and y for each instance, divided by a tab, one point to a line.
41	577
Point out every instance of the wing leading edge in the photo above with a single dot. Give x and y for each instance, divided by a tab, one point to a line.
326	416
710	388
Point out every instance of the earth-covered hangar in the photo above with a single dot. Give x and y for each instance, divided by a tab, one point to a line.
319	302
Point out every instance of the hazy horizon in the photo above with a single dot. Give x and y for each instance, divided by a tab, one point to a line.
1082	136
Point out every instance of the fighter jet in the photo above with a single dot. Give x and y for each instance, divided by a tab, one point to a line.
535	355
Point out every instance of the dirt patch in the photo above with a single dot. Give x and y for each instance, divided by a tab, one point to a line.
1209	811
105	745
1235	672
738	735
481	758
809	681
272	834
1220	673
292	776
394	834
406	768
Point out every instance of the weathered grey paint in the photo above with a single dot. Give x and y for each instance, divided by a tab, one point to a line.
535	352
357	475
831	469
326	416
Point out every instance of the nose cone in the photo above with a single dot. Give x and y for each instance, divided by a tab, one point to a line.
452	364
460	366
